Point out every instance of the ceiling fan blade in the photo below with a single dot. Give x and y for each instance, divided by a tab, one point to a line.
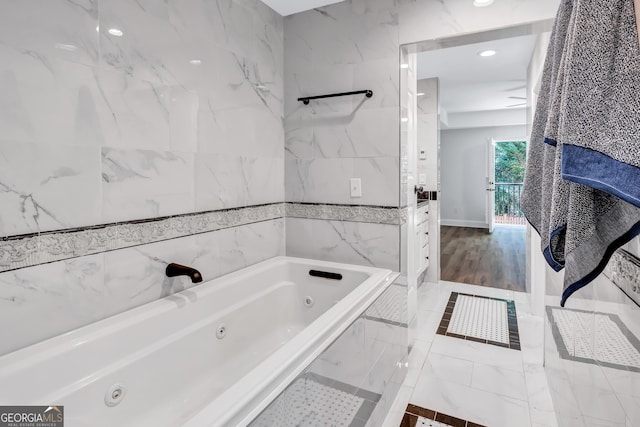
516	105
518	97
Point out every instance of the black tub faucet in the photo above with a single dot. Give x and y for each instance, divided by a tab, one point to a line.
174	270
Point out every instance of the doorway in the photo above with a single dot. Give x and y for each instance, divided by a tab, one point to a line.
509	161
472	127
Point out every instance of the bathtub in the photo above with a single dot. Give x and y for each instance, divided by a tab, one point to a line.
213	355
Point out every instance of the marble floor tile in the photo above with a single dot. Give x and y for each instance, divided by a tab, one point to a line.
416	361
398	407
478	352
448	368
468	403
600	404
505	382
482	383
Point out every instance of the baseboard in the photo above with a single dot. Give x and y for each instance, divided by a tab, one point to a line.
463	223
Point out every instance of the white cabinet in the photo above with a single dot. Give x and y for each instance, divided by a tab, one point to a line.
422	239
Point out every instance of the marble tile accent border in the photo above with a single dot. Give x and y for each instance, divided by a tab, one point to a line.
40	248
353	213
29	250
332	400
623	270
609	352
512	319
414	413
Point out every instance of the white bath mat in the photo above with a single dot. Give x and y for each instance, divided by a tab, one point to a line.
390	307
596	336
308	403
482	318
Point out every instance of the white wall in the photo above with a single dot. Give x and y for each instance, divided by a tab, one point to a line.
463	162
427	120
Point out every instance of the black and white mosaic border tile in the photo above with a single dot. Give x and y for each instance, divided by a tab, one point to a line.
624	270
512	338
314	400
29	250
39	248
594	337
354	213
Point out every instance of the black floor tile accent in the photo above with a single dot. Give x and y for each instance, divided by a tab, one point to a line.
412	413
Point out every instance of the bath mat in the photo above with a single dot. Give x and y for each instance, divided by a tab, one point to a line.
415	416
592	337
314	400
390	307
481	319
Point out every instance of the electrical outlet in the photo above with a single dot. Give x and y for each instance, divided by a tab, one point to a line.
423	153
356	187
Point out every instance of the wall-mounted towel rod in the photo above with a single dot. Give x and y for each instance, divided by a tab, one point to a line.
305	100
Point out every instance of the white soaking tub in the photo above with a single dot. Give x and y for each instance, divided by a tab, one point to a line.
213	355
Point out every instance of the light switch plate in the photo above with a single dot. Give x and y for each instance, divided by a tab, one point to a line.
422	179
356	187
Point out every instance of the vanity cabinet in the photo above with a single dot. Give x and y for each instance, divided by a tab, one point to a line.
422	239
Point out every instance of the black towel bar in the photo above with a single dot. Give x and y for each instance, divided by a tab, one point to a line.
305	100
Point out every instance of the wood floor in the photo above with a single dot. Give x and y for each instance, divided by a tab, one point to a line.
473	256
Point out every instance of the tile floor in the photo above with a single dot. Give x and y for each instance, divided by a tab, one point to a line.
481	383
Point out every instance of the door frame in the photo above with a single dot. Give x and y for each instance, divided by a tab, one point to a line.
491	184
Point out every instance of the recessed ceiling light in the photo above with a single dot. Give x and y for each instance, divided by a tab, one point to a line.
482	3
487	53
115	32
420	94
195	62
404	65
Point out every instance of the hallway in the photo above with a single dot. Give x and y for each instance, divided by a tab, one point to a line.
473	256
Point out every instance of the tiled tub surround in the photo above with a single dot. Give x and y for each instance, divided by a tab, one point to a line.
176	111
353	383
181	113
361	243
46	300
242	348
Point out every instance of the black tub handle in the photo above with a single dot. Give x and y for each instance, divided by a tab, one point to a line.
325	274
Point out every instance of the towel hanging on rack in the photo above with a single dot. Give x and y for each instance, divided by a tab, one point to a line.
582	187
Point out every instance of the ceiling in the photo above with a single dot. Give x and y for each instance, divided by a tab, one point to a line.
469	82
289	7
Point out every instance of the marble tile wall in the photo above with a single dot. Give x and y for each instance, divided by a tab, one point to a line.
46	300
375	245
114	110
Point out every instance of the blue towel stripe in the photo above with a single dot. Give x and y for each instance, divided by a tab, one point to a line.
625	238
596	170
